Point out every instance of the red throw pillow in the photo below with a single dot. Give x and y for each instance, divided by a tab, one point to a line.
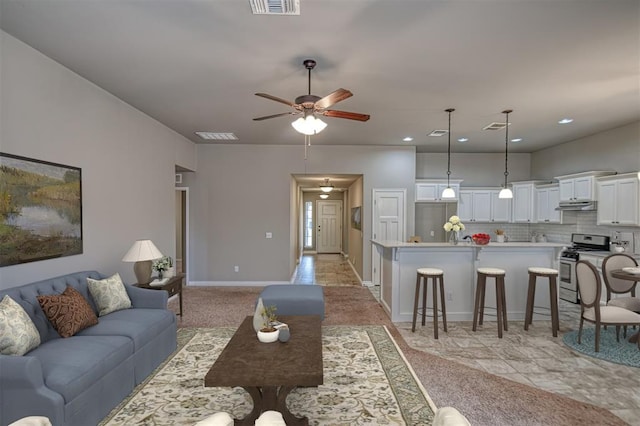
68	312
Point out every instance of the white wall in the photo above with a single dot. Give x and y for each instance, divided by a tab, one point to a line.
474	169
242	191
127	159
617	149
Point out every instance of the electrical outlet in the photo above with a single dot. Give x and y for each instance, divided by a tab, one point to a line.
268	235
450	296
236	268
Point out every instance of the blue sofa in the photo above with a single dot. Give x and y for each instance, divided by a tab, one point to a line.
78	380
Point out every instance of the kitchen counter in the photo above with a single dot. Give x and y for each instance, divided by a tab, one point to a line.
399	261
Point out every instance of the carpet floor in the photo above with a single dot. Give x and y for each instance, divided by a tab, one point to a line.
366	378
483	398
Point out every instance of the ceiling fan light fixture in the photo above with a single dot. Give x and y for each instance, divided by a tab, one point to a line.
326	187
309	125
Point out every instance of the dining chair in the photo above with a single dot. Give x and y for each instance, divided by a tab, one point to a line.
618	286
589	287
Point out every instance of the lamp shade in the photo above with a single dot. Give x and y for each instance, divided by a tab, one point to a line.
142	250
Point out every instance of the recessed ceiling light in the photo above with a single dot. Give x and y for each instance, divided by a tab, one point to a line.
463	139
565	121
217	136
408	139
516	140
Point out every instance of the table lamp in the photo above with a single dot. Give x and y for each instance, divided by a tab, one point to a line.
142	252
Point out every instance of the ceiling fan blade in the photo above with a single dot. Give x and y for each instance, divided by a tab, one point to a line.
266	117
333	98
275	98
344	114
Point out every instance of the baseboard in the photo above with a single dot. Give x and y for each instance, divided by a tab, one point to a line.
234	283
356	273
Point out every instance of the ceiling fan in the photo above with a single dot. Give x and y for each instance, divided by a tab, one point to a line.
310	105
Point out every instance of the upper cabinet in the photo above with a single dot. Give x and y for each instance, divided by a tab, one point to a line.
524	202
430	190
619	200
547	200
483	205
580	186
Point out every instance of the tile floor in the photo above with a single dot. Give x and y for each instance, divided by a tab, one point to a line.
325	269
531	357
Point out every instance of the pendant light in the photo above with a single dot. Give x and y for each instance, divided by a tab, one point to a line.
505	192
326	187
448	191
324	195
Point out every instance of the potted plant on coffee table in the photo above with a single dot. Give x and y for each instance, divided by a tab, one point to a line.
267	332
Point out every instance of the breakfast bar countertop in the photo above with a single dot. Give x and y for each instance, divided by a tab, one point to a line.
464	244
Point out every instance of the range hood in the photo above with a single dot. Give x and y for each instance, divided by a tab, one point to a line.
580	205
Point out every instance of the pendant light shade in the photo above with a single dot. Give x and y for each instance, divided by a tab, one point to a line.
324	195
505	192
448	191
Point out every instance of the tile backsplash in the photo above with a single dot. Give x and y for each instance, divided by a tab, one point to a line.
585	224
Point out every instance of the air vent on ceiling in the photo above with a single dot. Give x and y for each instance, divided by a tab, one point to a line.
495	126
217	136
275	7
438	133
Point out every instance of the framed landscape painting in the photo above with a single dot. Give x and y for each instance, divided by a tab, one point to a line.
40	210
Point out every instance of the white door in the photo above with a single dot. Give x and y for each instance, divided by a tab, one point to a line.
388	223
329	227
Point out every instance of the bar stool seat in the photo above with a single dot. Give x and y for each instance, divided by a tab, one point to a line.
501	303
552	275
422	279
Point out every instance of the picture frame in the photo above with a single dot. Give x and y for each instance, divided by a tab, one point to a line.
40	210
356	218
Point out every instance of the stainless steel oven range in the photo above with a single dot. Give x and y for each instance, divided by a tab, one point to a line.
581	243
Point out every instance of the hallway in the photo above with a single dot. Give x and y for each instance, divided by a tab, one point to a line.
329	270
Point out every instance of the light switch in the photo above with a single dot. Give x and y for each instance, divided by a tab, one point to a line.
268	235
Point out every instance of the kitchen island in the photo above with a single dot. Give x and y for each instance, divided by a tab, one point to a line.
400	260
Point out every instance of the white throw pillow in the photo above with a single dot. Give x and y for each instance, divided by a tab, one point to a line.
18	334
109	294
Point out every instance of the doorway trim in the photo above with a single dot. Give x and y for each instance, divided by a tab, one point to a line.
185	220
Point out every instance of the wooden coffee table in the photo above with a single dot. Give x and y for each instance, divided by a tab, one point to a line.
269	371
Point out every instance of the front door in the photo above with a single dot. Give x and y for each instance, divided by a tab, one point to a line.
329	227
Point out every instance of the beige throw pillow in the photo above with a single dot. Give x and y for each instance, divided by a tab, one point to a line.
18	334
109	294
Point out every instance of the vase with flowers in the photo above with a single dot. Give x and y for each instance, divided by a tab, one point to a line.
454	226
161	265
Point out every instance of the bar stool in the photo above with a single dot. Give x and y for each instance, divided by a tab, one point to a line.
423	276
501	303
552	274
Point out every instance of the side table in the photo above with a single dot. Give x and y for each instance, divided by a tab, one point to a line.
173	286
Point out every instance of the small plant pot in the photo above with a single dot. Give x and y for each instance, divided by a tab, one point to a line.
268	336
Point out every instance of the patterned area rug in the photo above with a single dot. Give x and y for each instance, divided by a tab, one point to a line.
366	381
621	352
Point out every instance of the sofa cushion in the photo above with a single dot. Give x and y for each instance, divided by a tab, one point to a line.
70	366
68	312
18	334
109	294
140	325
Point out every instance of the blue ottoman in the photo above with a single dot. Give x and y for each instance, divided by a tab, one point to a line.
294	299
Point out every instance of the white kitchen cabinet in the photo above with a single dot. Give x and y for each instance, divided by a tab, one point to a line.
431	191
483	205
579	186
619	200
547	199
524	202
